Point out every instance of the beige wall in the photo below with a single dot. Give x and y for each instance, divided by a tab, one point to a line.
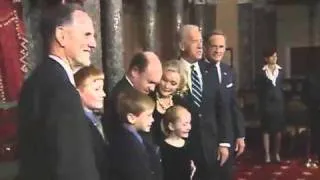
227	21
292	31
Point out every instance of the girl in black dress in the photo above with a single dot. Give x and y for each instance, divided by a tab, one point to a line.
269	86
176	162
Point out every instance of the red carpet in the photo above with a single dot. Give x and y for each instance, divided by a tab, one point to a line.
251	167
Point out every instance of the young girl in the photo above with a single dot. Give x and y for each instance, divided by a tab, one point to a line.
176	161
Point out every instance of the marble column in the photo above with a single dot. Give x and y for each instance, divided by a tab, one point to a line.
312	10
264	34
245	41
149	22
112	41
198	15
177	12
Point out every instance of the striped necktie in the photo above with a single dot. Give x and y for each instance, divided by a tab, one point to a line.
196	90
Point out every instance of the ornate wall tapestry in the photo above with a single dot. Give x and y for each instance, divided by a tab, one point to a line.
13	66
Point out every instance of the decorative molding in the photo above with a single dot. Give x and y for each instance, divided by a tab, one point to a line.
213	2
245	1
200	2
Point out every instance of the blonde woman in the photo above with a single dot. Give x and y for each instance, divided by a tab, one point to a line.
172	86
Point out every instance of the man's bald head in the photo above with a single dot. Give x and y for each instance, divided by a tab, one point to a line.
145	71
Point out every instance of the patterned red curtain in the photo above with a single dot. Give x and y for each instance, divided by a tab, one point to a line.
13	66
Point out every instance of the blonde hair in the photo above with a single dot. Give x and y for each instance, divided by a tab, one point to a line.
133	101
171	116
177	66
85	73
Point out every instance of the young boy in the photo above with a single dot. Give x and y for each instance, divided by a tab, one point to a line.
129	157
89	83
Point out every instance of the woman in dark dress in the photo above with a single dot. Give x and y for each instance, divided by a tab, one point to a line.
176	161
172	85
269	87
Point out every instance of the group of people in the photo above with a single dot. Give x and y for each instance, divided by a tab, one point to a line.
171	120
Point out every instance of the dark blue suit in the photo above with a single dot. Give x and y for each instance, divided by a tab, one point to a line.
100	147
210	124
129	157
228	90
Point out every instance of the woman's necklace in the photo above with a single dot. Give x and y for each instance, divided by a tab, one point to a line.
164	103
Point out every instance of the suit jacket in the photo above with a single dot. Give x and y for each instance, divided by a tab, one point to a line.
111	118
271	98
210	122
100	150
54	137
228	90
129	158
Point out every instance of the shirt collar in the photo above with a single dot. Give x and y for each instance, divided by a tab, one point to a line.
90	115
133	131
129	81
188	65
65	66
217	63
265	67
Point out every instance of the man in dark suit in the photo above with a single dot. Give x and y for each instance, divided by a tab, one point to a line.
215	46
209	139
54	137
143	74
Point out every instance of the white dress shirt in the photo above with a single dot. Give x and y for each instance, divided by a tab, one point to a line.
272	75
187	66
219	71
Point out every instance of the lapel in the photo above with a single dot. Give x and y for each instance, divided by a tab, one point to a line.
279	77
91	119
204	68
226	75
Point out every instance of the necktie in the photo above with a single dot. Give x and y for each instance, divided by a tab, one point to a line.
196	90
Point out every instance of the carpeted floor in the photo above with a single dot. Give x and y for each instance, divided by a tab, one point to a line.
251	167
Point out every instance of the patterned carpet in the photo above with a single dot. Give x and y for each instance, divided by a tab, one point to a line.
251	167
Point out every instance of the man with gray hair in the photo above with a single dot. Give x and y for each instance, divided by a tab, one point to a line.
209	141
54	136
